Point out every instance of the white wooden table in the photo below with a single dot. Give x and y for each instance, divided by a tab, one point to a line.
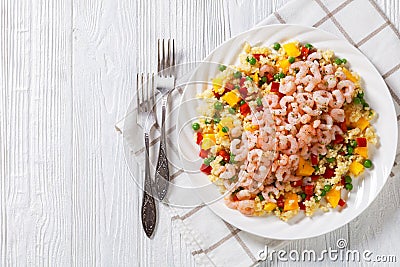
67	75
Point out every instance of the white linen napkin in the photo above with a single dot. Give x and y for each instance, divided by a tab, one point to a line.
213	241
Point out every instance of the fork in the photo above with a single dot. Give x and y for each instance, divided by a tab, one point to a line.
165	83
146	119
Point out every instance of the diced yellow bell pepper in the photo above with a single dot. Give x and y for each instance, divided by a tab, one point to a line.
251	127
292	50
333	196
208	141
270	206
349	76
255	77
361	124
284	65
356	168
216	83
231	98
291	202
305	168
362	151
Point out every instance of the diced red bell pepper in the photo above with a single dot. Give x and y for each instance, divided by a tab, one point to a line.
242	80
343	126
343	181
308	197
224	155
338	139
203	153
257	56
275	87
280	202
245	109
296	183
199	138
304	53
315	177
243	92
342	203
361	142
218	96
270	77
314	159
309	190
206	169
329	173
302	205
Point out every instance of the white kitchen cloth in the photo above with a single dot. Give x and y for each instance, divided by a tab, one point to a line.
214	242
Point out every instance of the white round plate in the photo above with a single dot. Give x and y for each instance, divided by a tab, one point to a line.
366	188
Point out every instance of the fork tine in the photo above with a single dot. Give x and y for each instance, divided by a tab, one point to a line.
163	54
173	53
137	97
143	108
168	59
158	56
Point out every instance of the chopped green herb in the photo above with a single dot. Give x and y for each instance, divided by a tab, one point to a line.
222	67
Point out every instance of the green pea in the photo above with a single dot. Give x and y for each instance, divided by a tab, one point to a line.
237	75
357	101
277	46
327	187
365	105
338	61
316	168
222	67
232	110
225	129
242	102
303	195
360	94
218	105
309	46
207	121
259	101
281	75
222	162
330	160
344	60
348	179
217	120
252	61
350	150
353	143
291	60
276	77
323	192
264	79
367	163
248	78
348	187
195	126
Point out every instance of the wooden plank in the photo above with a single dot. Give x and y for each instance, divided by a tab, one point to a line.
35	81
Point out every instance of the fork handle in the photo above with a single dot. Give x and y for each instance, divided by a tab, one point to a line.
162	171
149	213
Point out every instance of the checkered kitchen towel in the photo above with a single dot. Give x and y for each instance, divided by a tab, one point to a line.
361	23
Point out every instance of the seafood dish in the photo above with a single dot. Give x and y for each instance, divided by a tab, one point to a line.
285	131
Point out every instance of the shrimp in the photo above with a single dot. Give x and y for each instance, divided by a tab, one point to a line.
288	87
322	98
328	122
243	194
349	91
319	149
236	132
337	94
336	130
340	74
303	69
324	137
246	207
251	140
314	69
254	156
240	153
314	56
283	173
261	174
305	118
291	146
329	69
294	161
316	123
311	112
267	69
310	83
267	191
270	101
305	99
283	103
337	114
305	135
229	171
331	81
230	203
